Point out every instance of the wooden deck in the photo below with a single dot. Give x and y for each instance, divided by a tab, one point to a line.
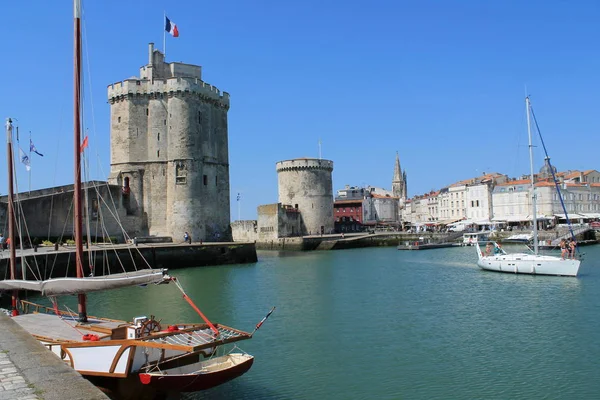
65	328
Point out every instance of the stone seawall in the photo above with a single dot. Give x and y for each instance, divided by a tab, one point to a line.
351	241
29	371
172	256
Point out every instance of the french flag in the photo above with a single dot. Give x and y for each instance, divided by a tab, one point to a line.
171	27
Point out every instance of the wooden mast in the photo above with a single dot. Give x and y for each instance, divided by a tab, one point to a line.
11	214
81	307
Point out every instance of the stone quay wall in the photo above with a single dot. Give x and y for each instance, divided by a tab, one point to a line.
29	371
171	256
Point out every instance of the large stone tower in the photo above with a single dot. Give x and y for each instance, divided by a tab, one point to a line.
305	184
169	149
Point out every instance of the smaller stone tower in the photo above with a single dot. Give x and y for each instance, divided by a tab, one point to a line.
306	184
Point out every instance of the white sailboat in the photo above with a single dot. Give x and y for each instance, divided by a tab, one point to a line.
527	263
107	351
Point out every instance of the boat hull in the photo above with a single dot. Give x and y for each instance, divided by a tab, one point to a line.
200	376
530	264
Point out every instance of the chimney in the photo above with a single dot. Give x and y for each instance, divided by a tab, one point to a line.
150	53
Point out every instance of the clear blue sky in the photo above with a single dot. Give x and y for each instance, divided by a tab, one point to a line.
441	82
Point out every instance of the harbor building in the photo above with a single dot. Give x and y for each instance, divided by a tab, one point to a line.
169	149
358	209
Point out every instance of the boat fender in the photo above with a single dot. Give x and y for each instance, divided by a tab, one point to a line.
91	337
172	328
145	378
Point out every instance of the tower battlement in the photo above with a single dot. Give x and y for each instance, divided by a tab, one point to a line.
301	164
166	87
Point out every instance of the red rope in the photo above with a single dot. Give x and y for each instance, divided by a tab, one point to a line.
191	303
214	329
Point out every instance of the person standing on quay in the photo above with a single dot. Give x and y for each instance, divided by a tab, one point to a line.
187	238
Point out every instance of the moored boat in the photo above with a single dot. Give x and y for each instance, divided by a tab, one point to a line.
496	259
471	238
201	375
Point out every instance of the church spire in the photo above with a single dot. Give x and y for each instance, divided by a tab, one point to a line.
398	181
397	170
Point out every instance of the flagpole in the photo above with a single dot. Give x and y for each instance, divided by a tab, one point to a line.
319	148
165	35
239	217
29	174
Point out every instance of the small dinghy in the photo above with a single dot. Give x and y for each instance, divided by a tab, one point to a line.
199	376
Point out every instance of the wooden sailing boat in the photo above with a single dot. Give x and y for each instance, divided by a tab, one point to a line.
104	349
529	263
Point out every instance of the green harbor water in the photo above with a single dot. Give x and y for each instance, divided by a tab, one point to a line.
378	323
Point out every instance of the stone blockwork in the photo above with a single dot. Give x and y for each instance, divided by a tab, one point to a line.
48	213
278	221
244	231
169	149
305	185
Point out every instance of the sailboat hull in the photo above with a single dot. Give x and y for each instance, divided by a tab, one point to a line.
530	264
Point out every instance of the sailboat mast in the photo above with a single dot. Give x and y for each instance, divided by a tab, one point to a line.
81	307
533	195
11	214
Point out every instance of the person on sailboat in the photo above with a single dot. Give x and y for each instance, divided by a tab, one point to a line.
488	249
563	249
498	249
572	245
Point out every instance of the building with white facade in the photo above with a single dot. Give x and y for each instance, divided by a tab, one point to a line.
512	201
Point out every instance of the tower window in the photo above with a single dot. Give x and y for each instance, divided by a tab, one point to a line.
165	121
157	153
199	117
216	180
119	119
180	174
205	179
158	137
146	111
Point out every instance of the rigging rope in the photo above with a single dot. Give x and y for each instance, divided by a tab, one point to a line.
562	203
191	303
